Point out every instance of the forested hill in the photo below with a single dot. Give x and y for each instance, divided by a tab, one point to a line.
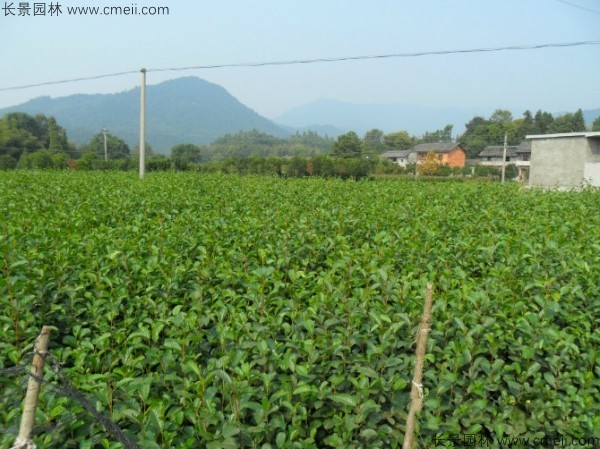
182	110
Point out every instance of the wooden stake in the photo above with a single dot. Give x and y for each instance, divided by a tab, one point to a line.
24	441
416	396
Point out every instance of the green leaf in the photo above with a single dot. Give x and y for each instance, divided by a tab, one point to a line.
302	389
344	399
280	439
226	443
368	371
171	343
230	430
534	368
368	434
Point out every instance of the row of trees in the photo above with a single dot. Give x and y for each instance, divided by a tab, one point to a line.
252	143
40	142
308	144
481	132
376	142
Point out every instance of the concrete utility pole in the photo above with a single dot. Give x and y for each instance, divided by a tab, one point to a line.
143	125
504	159
104	131
24	440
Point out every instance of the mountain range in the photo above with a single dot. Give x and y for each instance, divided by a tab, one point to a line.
184	110
192	110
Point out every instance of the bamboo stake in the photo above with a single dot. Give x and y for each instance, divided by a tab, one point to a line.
24	441
416	396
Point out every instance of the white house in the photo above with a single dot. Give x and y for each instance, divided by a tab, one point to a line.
399	157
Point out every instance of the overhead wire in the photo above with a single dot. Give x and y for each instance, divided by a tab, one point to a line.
383	56
70	80
574	5
311	61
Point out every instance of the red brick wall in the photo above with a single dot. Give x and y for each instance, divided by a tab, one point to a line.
455	158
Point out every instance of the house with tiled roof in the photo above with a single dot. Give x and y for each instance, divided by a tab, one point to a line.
399	157
450	153
518	155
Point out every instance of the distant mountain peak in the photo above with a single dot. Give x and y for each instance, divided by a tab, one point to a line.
181	110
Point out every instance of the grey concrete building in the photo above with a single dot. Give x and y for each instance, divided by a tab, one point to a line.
565	160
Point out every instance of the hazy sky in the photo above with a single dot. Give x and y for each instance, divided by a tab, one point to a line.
38	49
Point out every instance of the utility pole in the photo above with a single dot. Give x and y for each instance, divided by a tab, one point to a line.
504	159
143	125
24	440
104	131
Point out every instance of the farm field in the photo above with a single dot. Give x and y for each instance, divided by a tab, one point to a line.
223	311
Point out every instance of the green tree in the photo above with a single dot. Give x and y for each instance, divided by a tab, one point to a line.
135	151
487	171
596	124
20	132
116	147
60	160
89	160
313	141
158	162
40	159
500	125
440	135
57	136
543	122
322	166
501	116
398	140
347	145
373	142
297	167
511	171
568	123
188	152
524	126
476	136
480	132
7	162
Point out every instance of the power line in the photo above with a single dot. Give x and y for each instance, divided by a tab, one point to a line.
574	5
385	56
71	80
314	60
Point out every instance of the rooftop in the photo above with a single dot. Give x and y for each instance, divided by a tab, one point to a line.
587	135
395	153
498	151
436	147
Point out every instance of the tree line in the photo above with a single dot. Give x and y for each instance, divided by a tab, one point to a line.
481	132
40	142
